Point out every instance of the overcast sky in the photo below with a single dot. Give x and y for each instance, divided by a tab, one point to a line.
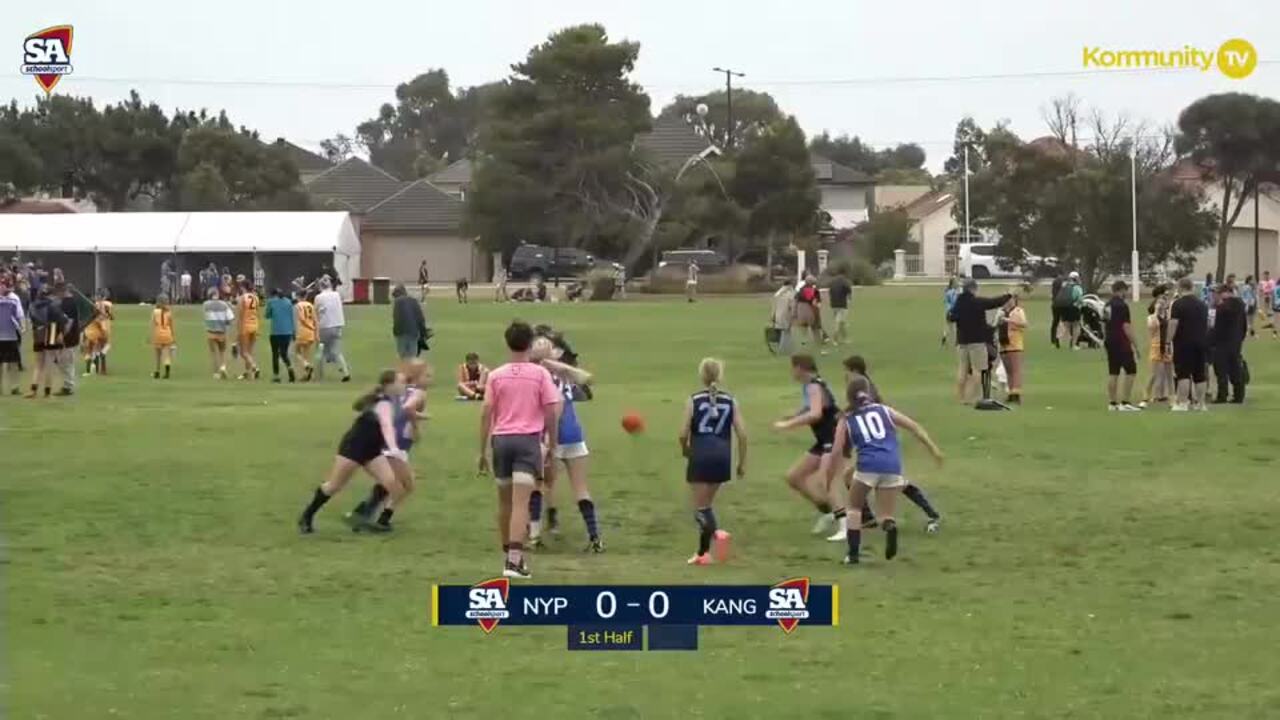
267	61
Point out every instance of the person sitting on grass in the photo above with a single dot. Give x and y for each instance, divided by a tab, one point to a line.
472	377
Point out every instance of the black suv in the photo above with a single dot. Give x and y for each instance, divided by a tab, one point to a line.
530	262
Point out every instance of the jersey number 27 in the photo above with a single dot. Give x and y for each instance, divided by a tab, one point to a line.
712	418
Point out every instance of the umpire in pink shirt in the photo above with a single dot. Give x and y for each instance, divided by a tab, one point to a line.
521	413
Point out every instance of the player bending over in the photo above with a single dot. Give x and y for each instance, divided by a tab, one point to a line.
872	430
821	415
711	419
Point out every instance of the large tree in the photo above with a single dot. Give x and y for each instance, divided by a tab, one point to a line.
1234	139
903	163
774	182
753	112
223	168
557	162
1072	202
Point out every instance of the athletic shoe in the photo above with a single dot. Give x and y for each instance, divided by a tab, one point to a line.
275	380
1142	405
257	373
242	376
1129	407
595	546
1179	407
65	392
891	542
850	560
823	523
1201	407
304	526
699	560
1112	407
306	376
155	375
842	529
934	526
346	378
720	545
221	374
520	572
536	543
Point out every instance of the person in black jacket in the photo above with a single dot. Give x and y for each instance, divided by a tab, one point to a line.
1230	325
48	325
1057	312
408	324
972	335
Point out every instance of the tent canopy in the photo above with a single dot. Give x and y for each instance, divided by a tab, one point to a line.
197	232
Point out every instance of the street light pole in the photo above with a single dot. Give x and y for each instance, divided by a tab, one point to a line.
1133	192
729	75
967	239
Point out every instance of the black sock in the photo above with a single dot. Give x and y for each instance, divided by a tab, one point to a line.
551	518
385	517
588	510
376	496
854	538
916	495
706	518
535	506
891	538
868	517
824	508
166	372
838	513
317	501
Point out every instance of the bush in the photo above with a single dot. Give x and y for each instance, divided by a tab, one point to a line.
857	270
601	284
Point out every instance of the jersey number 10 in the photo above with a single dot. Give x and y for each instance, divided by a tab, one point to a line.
870	426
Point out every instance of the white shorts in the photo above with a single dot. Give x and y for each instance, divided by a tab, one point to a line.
879	480
572	451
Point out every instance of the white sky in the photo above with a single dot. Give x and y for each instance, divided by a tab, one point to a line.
787	49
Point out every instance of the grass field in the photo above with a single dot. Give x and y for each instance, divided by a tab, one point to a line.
1091	565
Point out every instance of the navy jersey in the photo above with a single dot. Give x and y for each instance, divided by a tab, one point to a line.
712	419
824	430
873	434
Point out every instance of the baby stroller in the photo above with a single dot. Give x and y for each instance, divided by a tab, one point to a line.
1091	312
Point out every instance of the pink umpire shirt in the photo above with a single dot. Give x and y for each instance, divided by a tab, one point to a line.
518	394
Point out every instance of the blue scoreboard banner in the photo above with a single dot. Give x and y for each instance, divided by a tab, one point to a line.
609	611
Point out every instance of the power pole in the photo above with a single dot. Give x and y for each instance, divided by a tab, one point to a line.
729	75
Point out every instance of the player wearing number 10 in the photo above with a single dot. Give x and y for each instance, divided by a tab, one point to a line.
871	428
711	419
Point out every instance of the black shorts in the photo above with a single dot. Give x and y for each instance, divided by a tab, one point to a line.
1189	363
362	444
517	454
10	352
821	447
1121	359
1070	314
710	463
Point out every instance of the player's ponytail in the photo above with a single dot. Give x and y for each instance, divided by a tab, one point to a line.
711	370
858	393
369	399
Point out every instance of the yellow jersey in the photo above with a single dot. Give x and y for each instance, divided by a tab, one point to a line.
248	313
162	327
304	314
1016	329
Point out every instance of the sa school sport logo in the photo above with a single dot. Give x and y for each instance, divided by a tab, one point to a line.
487	603
47	55
787	603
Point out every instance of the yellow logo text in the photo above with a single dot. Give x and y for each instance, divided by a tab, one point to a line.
1235	58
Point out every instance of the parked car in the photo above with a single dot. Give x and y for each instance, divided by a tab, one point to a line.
784	260
706	260
531	262
979	261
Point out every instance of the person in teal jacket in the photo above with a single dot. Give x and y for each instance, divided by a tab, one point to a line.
280	315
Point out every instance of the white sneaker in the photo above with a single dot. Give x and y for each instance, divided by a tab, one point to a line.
1128	407
842	529
1201	407
1178	407
823	523
1142	405
1112	407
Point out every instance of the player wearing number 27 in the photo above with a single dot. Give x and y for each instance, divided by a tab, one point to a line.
872	429
711	419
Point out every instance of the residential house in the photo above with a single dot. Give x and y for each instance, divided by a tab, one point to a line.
934	233
846	193
672	141
887	197
309	164
455	179
1240	238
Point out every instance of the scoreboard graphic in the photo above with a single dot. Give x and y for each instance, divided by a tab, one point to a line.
615	617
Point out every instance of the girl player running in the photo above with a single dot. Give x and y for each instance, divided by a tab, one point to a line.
97	335
409	412
369	443
872	430
711	419
821	415
571	448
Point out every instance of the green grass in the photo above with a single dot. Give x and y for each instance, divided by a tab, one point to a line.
1092	565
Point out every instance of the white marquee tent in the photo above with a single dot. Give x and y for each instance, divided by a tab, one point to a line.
124	251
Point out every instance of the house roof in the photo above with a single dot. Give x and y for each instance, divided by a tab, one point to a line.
929	203
673	141
306	160
458	173
37	207
830	172
353	185
418	206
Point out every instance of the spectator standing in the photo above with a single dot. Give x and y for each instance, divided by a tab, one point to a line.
1189	337
48	324
1266	304
166	278
330	318
1067	302
1011	327
424	280
948	304
1160	384
12	319
408	324
283	327
782	314
184	285
1249	296
1230	326
500	285
1054	289
69	303
808	310
972	334
840	292
1122	350
691	281
1207	290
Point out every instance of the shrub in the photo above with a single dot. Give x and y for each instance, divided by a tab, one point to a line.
858	270
601	284
733	279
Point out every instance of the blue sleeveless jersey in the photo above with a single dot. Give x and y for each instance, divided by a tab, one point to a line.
712	420
570	431
402	421
873	435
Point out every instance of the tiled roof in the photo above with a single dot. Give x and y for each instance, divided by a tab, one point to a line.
353	185
306	160
830	172
458	173
418	206
673	141
36	207
929	203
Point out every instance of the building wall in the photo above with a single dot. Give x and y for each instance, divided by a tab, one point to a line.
931	234
1240	253
843	197
397	255
889	196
